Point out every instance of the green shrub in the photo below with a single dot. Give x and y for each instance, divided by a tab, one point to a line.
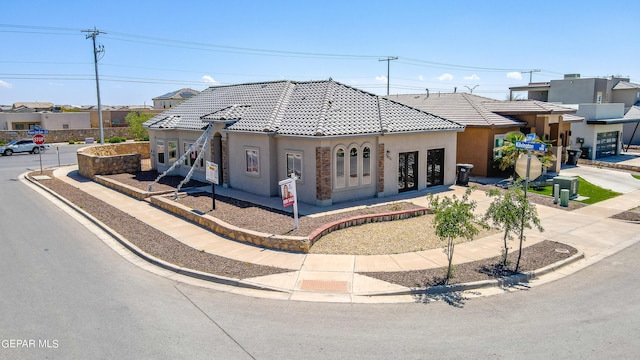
71	142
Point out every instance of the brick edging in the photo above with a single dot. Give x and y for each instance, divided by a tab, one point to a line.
364	219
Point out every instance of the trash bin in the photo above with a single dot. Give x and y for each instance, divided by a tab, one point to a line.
463	170
573	155
586	152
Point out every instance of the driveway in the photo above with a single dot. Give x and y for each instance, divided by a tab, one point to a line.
615	180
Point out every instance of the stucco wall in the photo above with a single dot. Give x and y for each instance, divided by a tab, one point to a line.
47	120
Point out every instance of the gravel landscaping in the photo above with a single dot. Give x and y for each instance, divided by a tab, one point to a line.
379	238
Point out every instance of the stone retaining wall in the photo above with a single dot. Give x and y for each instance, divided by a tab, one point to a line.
64	136
298	244
112	158
271	241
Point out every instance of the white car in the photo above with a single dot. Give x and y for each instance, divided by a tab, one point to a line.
17	146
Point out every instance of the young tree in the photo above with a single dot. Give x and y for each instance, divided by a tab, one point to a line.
135	119
513	213
454	218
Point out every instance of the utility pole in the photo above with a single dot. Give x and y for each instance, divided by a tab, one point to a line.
388	60
92	34
530	73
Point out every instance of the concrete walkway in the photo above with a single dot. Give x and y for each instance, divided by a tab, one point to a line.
335	278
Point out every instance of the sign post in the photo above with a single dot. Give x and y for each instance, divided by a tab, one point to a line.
289	195
38	139
528	145
212	175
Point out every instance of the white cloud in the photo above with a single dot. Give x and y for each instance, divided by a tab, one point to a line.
421	78
4	84
382	79
472	77
445	77
209	80
514	75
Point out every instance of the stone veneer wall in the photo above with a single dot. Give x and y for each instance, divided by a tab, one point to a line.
323	173
271	241
63	136
380	182
112	158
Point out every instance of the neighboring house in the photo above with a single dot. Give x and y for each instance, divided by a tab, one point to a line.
488	120
576	90
46	120
342	143
32	106
169	100
600	135
115	116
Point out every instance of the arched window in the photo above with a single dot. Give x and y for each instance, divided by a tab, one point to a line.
340	168
366	165
353	166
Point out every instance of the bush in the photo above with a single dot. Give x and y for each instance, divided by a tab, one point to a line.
116	139
71	142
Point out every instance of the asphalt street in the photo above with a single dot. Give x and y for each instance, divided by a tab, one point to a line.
72	296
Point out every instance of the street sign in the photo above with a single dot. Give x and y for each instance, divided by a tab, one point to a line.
37	130
530	137
38	139
535	167
532	146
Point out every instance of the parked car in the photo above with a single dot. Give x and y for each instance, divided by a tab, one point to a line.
18	146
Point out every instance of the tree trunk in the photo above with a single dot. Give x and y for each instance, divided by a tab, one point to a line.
450	258
506	249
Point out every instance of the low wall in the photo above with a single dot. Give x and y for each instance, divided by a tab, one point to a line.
300	244
63	136
112	158
271	241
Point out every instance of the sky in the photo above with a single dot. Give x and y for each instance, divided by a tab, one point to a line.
155	47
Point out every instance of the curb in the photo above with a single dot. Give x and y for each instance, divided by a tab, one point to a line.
149	258
482	284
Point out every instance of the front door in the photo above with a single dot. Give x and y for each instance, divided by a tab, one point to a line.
435	167
408	171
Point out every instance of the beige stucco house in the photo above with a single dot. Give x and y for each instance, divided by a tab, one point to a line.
341	142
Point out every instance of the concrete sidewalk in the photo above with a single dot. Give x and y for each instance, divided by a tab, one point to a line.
335	278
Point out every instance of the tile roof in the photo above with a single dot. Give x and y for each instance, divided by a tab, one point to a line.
463	108
178	94
519	107
313	108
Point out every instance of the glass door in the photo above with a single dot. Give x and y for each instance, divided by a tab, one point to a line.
435	167
408	171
